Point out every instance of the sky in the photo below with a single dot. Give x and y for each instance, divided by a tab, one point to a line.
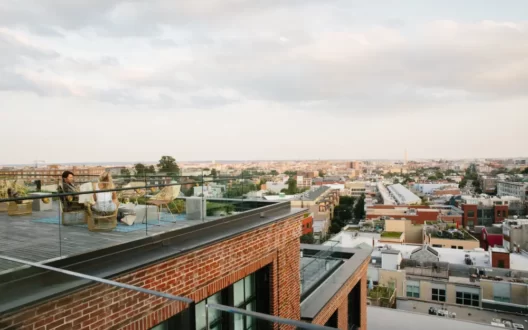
116	80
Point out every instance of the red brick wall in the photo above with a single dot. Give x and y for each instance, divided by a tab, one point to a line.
466	218
197	275
307	225
496	256
419	219
340	301
500	213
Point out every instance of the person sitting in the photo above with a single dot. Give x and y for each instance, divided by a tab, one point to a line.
71	203
105	202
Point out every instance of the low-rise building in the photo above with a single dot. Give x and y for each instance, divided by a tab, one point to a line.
402	195
511	188
515	234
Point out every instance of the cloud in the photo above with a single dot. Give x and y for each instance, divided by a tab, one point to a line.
267	52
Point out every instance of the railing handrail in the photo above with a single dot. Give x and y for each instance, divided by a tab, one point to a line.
98	279
266	317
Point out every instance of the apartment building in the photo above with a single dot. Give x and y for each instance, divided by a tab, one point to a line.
515	234
486	211
52	173
243	271
515	189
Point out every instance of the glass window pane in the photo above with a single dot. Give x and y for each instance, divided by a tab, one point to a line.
214	314
476	297
250	321
467	295
409	294
200	315
249	283
238	320
238	292
475	303
442	298
459	294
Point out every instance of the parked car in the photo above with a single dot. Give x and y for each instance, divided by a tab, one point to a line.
442	312
432	311
518	326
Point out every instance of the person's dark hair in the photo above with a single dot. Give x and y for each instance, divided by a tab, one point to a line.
65	174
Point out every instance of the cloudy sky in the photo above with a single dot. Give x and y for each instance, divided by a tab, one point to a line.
116	80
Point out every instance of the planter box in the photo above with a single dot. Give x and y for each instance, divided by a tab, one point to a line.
25	208
39	204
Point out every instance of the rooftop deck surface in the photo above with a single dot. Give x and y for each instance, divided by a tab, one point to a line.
22	237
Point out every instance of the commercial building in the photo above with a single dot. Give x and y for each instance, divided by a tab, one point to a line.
430	188
515	189
355	189
417	214
242	271
403	195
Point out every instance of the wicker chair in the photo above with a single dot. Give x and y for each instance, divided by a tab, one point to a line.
164	197
69	217
101	221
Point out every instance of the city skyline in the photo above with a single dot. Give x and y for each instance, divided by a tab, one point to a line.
117	80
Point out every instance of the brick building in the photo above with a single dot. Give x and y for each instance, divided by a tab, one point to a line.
249	261
417	214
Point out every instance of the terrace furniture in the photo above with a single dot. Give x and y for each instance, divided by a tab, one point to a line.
164	197
23	208
70	217
42	204
101	221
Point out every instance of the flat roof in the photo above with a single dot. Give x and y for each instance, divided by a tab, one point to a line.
379	318
403	195
319	297
125	257
480	257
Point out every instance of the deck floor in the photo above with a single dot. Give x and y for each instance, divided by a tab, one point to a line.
21	237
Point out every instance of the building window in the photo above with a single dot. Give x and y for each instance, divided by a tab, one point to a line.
413	291
501	299
501	264
471	214
438	294
215	316
244	297
461	248
468	299
437	245
453	247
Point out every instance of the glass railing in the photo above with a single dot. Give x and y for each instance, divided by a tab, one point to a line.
316	266
101	303
49	220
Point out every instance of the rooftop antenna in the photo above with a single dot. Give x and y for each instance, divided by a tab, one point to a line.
37	162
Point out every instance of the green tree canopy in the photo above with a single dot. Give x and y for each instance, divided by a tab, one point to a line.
274	172
359	209
168	164
214	173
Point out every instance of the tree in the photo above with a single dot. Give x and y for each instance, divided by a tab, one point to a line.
214	173
346	200
150	170
290	173
274	172
308	238
168	164
140	169
525	171
125	172
292	186
462	183
396	181
321	173
359	209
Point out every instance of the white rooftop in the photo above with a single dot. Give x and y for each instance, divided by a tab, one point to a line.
479	256
403	195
